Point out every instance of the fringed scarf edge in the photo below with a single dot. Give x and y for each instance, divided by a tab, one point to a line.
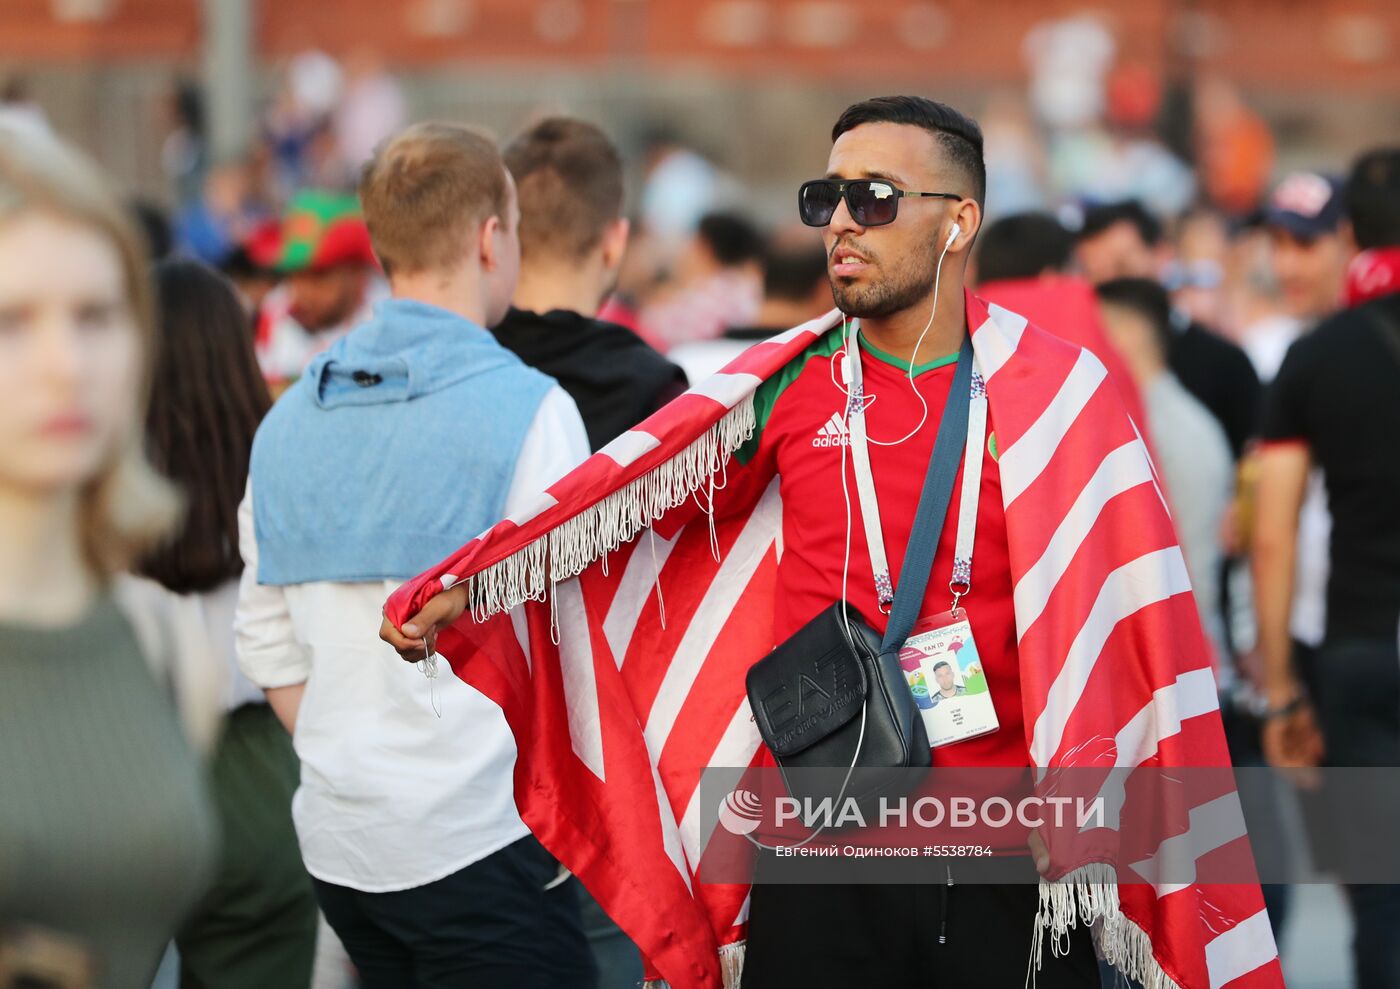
573	545
1089	896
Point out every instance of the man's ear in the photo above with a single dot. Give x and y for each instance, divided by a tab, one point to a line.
614	244
968	217
486	246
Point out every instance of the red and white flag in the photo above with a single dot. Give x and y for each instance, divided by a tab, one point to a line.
614	622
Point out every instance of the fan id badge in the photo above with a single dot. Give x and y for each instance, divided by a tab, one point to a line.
944	672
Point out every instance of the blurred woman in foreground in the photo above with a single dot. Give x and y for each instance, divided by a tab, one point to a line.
105	836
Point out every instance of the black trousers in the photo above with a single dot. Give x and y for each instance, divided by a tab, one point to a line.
887	936
493	925
1357	687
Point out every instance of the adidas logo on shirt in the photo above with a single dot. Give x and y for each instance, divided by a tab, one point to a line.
833	433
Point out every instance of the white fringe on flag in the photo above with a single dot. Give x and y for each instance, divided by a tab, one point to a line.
731	968
1089	896
566	550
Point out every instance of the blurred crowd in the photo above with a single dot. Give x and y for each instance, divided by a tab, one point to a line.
1161	238
1090	129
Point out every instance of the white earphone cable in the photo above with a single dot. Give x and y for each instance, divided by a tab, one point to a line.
914	358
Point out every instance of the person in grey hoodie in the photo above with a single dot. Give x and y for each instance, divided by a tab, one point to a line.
411	433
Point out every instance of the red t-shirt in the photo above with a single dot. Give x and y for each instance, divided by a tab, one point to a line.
800	434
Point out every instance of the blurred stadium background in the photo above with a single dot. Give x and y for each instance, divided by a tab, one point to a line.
217	110
751	83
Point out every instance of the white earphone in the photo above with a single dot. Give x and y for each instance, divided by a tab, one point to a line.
952	236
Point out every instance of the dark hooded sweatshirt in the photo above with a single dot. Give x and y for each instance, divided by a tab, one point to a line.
614	377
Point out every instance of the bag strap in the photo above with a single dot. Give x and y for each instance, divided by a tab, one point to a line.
933	505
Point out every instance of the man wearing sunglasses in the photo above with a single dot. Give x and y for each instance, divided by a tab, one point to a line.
898	208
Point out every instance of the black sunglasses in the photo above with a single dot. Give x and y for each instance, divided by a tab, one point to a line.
872	202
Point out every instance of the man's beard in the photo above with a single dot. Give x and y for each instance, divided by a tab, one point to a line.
901	289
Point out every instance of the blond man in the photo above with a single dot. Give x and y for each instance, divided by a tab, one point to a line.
413	429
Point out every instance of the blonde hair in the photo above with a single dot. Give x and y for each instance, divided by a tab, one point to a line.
424	190
127	508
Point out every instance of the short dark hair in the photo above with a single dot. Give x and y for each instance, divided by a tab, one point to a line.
791	272
940	664
731	238
569	178
1023	246
1099	218
1143	296
958	135
207	398
1372	197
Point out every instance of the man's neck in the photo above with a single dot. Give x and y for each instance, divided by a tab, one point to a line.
578	288
456	293
44	579
898	334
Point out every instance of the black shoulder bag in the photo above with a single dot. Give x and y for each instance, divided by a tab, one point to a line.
833	695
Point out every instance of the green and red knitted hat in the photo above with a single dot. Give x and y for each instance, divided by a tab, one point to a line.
321	230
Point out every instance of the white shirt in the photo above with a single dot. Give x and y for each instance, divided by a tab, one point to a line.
1266	341
215	609
392	796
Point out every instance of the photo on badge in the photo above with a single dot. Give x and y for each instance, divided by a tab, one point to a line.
945	675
